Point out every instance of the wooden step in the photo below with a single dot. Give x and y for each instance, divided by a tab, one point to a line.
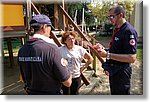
13	89
85	90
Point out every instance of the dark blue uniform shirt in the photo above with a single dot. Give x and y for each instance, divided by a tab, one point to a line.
42	66
124	41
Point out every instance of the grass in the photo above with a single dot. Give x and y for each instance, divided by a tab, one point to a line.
140	54
16	45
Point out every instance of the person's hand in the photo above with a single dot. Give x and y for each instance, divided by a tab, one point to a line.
82	69
100	49
106	72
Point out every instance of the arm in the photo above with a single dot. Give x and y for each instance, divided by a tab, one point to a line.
68	82
60	69
129	58
88	62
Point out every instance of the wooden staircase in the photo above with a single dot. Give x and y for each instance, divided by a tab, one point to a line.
81	34
17	88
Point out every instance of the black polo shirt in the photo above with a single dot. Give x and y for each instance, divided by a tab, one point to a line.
42	66
124	41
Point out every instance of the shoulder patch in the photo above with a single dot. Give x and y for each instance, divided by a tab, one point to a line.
64	62
132	42
131	36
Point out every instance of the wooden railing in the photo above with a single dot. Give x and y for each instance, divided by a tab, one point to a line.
80	33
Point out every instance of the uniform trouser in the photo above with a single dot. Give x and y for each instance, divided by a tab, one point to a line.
73	89
120	82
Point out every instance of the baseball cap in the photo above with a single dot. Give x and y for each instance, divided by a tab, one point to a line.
40	19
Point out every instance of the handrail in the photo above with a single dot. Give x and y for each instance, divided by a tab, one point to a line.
72	22
34	8
55	39
80	32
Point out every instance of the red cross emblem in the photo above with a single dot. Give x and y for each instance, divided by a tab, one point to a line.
132	42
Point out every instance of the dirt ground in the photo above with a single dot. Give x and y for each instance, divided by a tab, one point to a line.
102	88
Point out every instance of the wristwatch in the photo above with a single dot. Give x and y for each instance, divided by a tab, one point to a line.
108	55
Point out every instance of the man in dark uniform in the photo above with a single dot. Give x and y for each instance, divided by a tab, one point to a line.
121	52
42	67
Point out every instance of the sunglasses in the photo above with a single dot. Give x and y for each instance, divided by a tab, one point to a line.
112	16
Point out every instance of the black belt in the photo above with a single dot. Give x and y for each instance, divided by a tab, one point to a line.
113	68
76	78
119	65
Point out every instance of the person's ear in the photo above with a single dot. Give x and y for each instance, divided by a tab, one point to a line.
43	27
121	15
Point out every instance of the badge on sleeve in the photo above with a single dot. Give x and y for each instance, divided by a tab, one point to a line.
132	42
64	62
131	36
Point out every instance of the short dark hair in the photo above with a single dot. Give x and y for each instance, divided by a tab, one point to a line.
66	34
118	9
34	29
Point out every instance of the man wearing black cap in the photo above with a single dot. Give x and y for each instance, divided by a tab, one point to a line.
42	67
121	53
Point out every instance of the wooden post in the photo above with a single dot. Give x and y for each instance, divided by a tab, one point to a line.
75	17
28	15
94	57
56	19
83	22
22	41
10	51
64	23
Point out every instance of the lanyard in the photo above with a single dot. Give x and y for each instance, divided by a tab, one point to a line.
116	31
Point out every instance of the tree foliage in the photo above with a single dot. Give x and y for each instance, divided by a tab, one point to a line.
100	9
72	7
